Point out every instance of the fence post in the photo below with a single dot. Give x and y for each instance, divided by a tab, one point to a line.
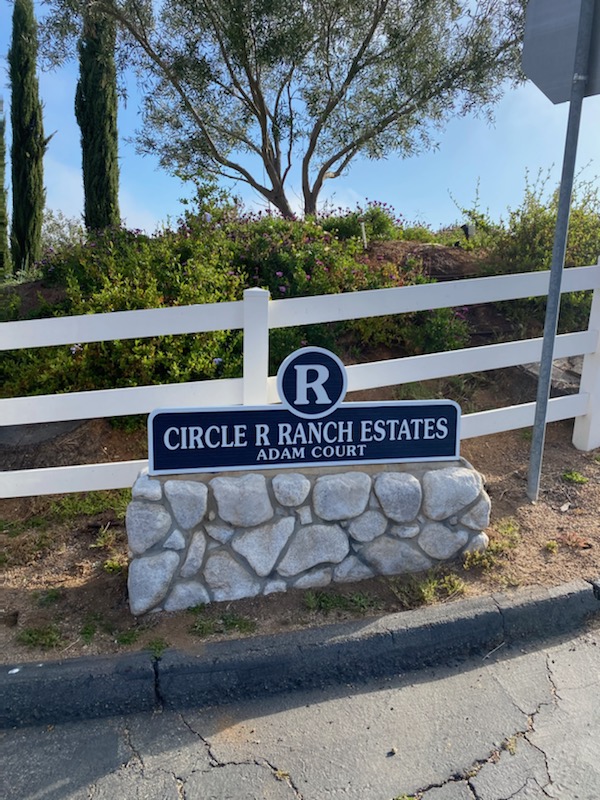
256	346
586	431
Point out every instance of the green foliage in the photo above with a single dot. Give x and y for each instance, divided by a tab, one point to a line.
572	476
49	597
211	257
505	540
436	585
326	602
157	647
91	503
96	112
28	142
60	232
379	219
46	637
208	622
417	332
525	244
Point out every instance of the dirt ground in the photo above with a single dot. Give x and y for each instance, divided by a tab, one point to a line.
64	578
63	559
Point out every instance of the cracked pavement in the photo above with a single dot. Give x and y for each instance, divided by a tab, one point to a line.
516	725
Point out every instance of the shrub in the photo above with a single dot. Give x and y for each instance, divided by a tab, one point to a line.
525	244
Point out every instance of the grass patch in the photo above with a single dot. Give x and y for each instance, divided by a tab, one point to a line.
551	546
206	624
46	637
88	631
49	597
127	637
88	504
326	602
506	539
157	647
114	565
14	528
434	586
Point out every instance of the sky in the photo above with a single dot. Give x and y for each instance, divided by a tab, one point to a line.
473	158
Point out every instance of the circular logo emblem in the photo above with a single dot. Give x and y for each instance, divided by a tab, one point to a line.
312	382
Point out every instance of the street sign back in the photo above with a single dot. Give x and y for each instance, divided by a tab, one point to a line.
549	47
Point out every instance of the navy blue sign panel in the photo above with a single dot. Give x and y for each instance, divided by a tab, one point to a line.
312	382
221	439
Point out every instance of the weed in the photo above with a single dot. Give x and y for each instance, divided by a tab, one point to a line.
106	538
326	602
113	566
157	647
226	623
88	631
234	622
127	637
435	585
46	637
49	597
527	434
551	546
15	527
572	476
510	745
91	503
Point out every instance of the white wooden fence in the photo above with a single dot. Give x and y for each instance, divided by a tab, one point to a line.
256	314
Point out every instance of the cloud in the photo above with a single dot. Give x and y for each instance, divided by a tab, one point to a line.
64	187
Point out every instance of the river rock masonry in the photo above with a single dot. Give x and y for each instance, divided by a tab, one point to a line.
201	538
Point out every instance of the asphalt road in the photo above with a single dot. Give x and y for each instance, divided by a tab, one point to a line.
518	724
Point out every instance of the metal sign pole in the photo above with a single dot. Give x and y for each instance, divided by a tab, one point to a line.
578	87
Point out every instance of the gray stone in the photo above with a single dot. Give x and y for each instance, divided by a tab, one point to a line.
186	595
188	501
314	580
450	791
441	542
351	569
341	496
145	488
222	533
274	586
227	579
399	494
478	543
195	554
176	541
243	501
478	516
262	547
394	556
291	489
368	526
149	579
147	523
305	515
313	545
405	531
447	491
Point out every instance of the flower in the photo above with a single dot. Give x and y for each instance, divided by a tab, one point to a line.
279	274
282	289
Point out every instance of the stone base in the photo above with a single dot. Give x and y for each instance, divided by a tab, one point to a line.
199	538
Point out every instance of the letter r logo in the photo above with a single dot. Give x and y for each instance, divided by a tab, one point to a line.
303	384
311	382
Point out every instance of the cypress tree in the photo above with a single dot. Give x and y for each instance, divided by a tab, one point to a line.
28	143
5	266
96	112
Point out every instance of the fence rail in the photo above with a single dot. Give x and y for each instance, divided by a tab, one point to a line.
256	314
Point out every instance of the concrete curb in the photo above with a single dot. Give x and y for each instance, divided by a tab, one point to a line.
227	671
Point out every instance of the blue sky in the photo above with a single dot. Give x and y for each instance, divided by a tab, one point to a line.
528	135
